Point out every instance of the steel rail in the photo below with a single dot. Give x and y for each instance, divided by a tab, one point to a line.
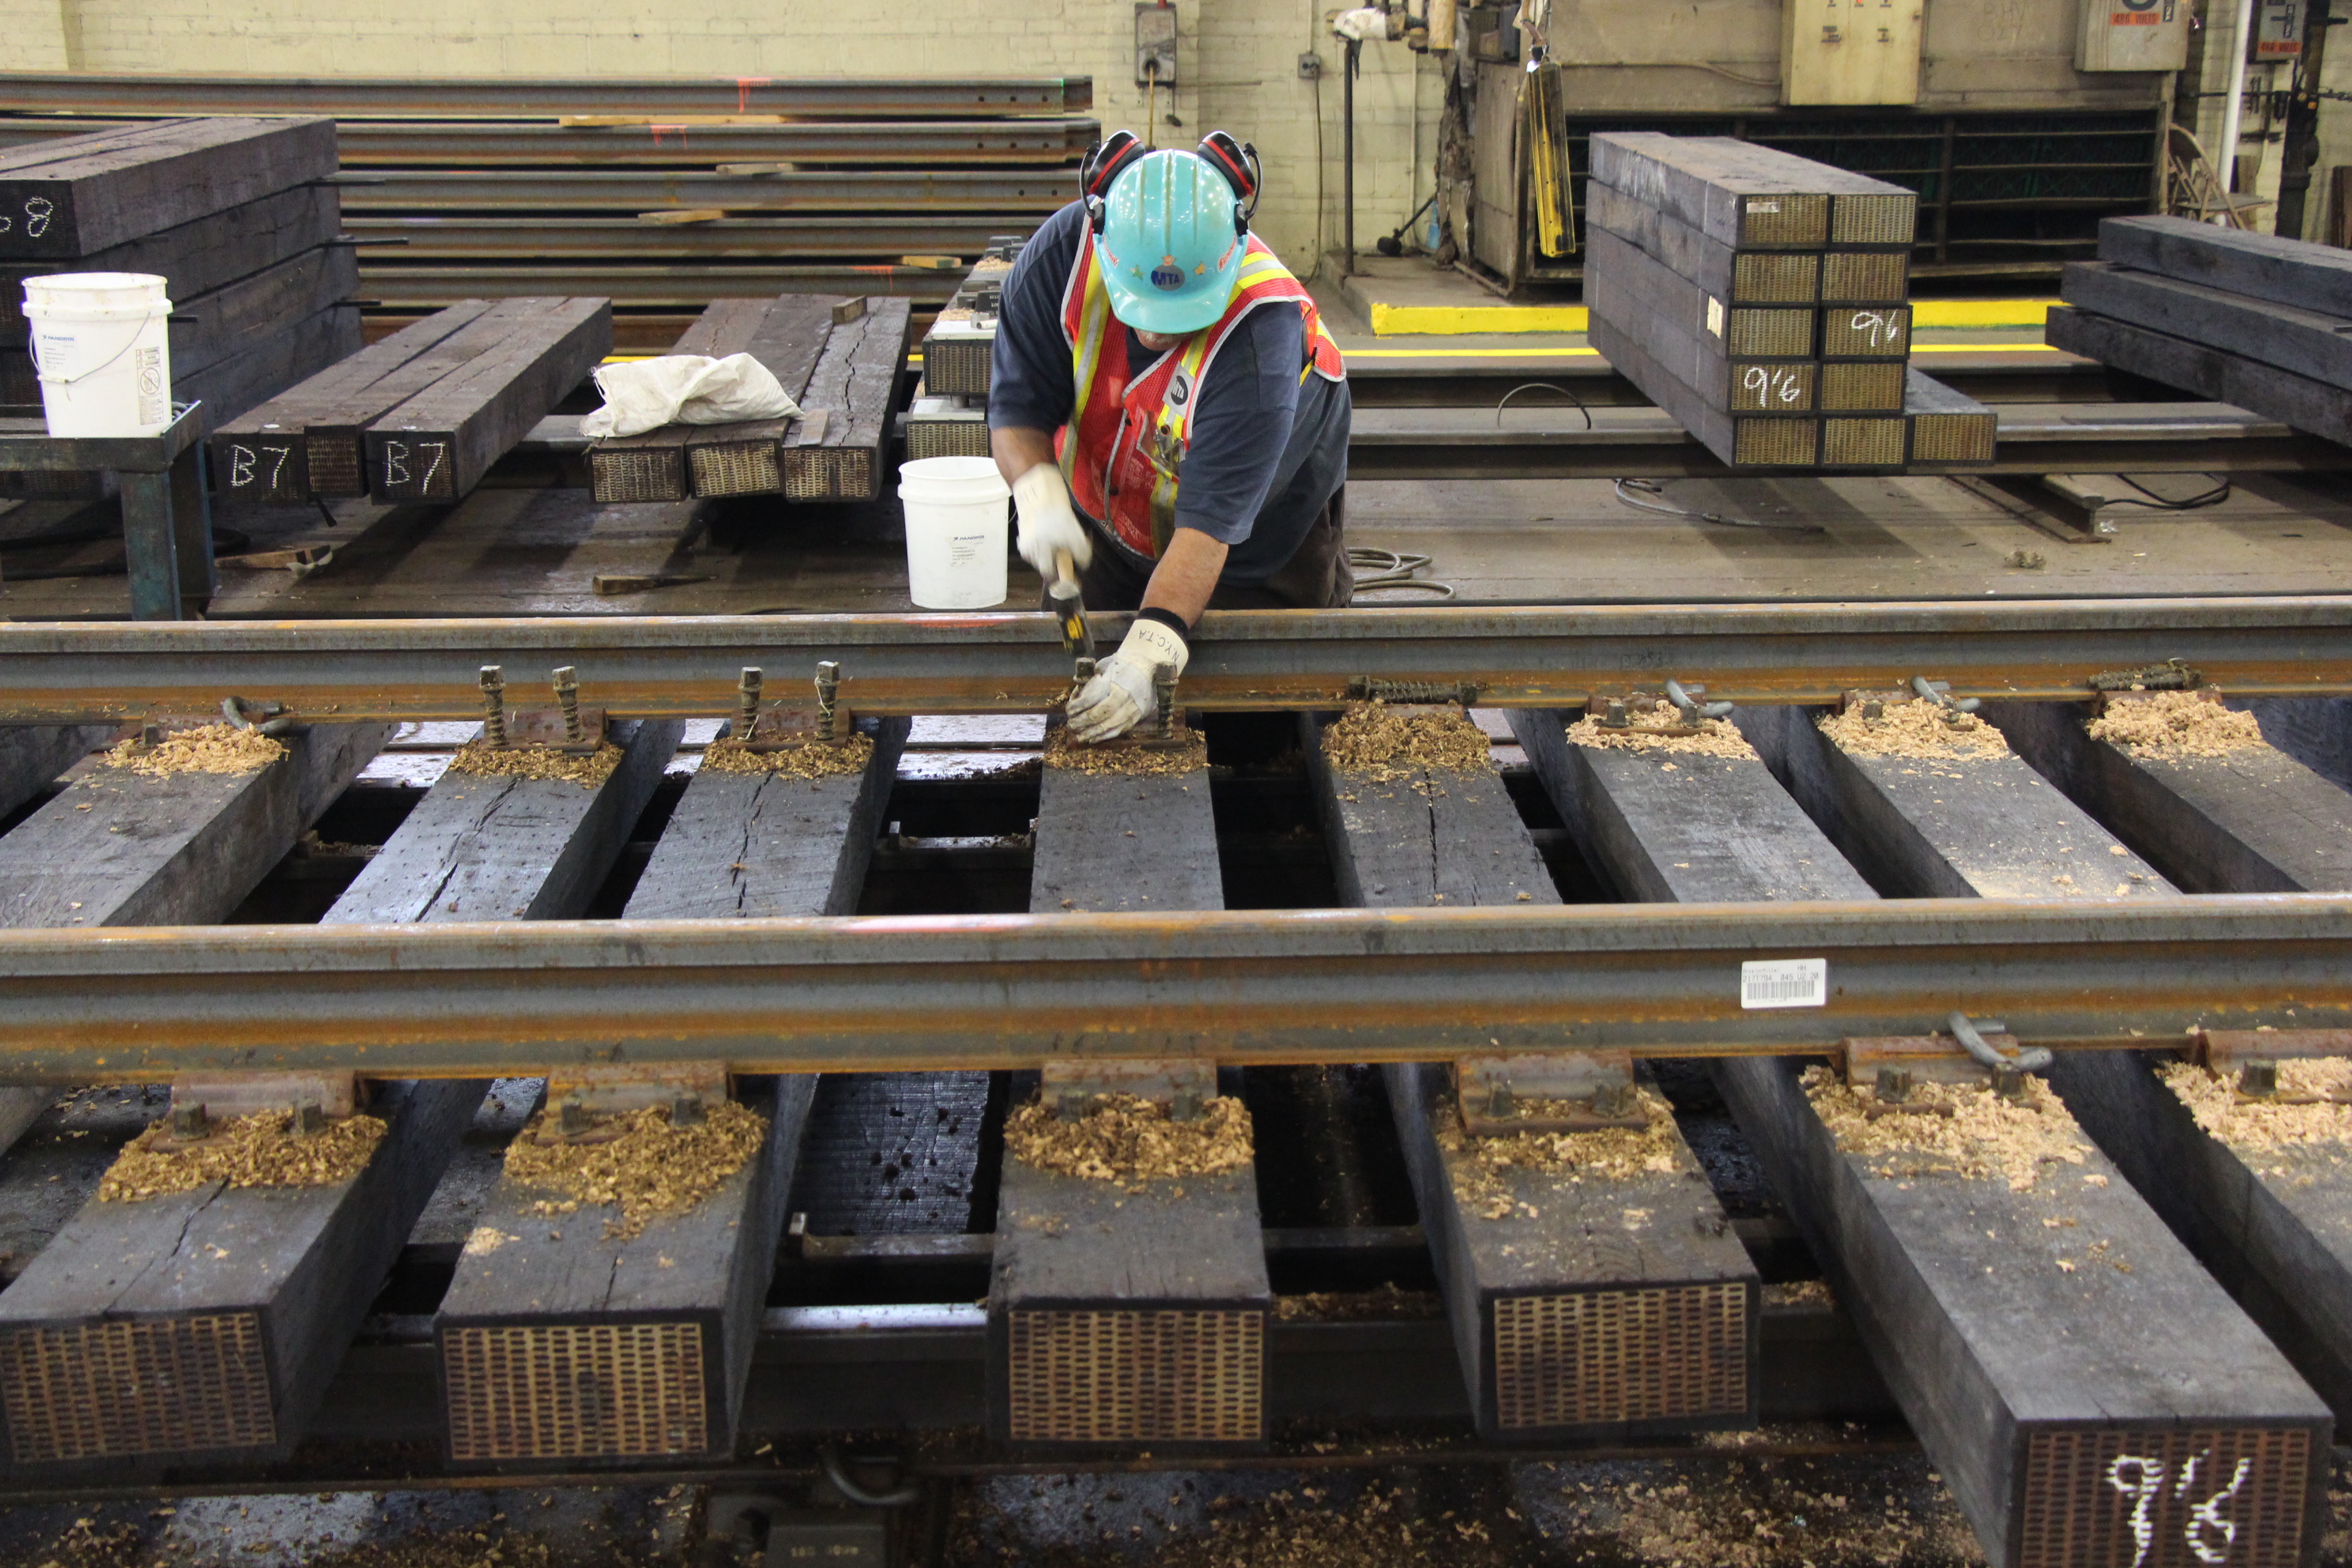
366	143
1532	442
872	994
503	98
651	281
901	191
1012	662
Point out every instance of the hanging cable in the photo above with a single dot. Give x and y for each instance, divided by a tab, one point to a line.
1390	571
1546	386
1625	489
2214	496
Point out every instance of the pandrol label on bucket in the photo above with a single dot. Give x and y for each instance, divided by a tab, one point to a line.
1784	983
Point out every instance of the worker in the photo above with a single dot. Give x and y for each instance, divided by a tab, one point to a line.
1169	410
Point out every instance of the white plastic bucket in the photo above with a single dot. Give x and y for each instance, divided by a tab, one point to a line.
958	511
102	352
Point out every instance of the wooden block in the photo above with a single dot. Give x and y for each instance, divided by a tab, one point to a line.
1645	290
179	850
1117	1316
200	257
1698	360
2315	731
2263	266
34	756
1947	426
563	1345
70	197
855	384
1785	277
234	386
208	328
2047	1396
1741	442
1571	1317
438	445
2292	338
1867	333
1754	198
2254	821
286	450
2209	373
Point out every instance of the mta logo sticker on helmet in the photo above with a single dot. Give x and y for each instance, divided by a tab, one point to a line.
1168	275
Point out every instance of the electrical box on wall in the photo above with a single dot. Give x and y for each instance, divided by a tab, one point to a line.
1851	51
1155	43
2133	36
2278	31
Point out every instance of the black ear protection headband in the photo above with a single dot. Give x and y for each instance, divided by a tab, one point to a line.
1112	156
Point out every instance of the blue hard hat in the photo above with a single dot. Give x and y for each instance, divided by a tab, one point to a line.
1169	236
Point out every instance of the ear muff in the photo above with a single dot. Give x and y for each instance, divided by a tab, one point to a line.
1105	161
1238	162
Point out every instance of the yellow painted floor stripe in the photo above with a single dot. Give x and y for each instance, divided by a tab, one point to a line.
1578	352
1463	320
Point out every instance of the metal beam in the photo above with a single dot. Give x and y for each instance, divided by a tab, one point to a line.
871	993
91	672
80	92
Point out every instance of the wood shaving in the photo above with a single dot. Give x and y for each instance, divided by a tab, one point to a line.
1482	1165
2266	1123
2175	724
1064	749
537	762
206	749
1387	1303
1381	743
1913	729
243	1151
851	756
1799	1293
1716	737
638	1161
1127	1138
1986	1135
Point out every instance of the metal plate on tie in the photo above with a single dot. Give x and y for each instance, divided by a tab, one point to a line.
611	1090
790	729
1636	711
1494	1093
1183	1084
545	727
1928	1058
249	1093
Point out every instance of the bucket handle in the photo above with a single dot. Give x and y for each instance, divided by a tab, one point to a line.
107	363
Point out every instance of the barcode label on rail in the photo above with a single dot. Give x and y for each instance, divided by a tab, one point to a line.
1785	983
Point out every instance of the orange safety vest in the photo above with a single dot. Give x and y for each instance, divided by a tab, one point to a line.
1124	445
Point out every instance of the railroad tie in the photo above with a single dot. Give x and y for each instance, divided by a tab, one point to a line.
1127	1313
1593	1306
121	848
2265	1219
2081	1414
567	1342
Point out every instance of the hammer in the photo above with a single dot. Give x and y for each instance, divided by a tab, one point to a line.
1069	609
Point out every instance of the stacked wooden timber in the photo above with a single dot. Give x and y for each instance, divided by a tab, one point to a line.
232	213
1761	299
2241	318
839	358
950	418
422	415
661	194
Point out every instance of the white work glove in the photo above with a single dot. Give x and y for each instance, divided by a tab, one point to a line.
1121	697
1047	521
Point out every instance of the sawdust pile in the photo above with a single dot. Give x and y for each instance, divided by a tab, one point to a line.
1376	741
1913	729
1064	751
1127	1138
206	749
1768	1515
1386	1304
537	762
1319	1533
1799	1293
1482	1165
2175	724
638	1161
723	756
473	1549
245	1152
1985	1136
1714	737
2266	1123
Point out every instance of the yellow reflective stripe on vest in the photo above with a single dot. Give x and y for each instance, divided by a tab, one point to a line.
1094	315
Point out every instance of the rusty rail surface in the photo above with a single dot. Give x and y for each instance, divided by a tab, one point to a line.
870	994
1012	662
